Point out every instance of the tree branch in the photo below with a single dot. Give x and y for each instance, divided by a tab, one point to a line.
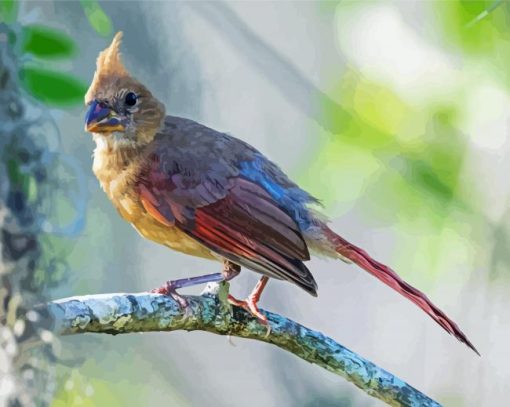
144	312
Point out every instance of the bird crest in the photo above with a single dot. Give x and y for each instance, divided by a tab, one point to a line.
109	64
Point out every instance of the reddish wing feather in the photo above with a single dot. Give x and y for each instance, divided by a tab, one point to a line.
214	231
245	226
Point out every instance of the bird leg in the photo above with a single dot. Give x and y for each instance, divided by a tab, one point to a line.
230	270
170	287
250	303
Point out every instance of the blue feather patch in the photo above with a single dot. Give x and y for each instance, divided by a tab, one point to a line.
289	196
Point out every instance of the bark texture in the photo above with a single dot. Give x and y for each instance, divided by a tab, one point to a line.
144	312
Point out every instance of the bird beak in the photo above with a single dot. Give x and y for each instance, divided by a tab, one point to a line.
102	119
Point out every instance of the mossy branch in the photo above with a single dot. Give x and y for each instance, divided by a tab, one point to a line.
144	312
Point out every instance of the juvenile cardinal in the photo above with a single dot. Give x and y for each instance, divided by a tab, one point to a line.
211	195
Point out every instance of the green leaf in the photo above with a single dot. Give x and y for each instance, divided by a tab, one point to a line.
18	179
484	13
8	11
53	88
97	17
47	43
21	180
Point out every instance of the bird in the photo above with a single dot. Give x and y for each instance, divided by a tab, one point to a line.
211	195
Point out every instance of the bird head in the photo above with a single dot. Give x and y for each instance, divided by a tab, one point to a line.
121	110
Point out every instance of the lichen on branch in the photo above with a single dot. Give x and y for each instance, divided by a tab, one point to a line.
145	312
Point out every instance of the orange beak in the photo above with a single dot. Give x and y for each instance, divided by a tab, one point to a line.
102	119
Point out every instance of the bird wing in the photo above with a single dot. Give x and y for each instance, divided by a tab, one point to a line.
230	215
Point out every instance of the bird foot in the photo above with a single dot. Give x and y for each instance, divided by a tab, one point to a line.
170	289
250	305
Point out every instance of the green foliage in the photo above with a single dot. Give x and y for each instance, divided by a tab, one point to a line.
422	148
79	390
485	40
8	11
457	17
20	180
47	43
96	383
97	17
485	13
53	88
400	164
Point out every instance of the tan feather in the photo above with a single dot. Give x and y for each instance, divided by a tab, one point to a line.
108	65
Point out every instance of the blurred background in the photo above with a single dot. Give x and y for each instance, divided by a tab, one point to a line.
395	114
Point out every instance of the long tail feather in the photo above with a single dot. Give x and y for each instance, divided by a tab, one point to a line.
393	280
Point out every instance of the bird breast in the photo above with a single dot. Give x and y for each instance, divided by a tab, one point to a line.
118	179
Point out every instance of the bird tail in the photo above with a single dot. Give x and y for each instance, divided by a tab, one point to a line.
348	251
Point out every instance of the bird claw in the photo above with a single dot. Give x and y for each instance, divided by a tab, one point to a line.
250	305
170	290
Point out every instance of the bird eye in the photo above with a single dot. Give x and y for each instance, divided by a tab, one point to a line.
130	99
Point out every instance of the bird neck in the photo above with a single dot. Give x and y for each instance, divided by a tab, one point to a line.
112	143
113	157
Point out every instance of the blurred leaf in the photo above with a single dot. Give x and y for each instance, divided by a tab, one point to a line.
380	107
337	174
457	18
8	10
362	123
488	39
395	162
52	87
97	17
419	173
46	42
484	13
18	178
